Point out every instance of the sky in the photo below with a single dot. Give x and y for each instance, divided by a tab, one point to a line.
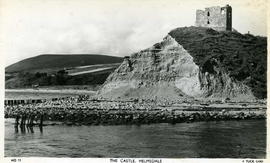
111	27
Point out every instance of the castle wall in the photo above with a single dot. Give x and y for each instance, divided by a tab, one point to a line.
218	18
229	18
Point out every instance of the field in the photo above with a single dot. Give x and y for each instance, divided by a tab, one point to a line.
99	68
54	70
76	76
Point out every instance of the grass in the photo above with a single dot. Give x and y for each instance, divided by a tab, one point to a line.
87	75
244	57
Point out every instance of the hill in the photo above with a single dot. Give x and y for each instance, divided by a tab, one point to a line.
193	62
52	70
242	57
49	61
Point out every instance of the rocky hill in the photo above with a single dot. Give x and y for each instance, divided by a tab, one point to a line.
193	62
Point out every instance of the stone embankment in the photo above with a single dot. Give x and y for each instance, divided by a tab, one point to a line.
72	111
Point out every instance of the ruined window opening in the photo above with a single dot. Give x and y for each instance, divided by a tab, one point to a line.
208	22
208	14
222	11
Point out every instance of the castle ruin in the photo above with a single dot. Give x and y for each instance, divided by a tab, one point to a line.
218	18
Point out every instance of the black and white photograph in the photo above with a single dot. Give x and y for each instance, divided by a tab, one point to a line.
134	81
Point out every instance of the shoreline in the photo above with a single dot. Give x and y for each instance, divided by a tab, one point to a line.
47	90
69	123
43	93
88	112
85	109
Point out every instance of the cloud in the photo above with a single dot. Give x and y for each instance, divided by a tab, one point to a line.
117	27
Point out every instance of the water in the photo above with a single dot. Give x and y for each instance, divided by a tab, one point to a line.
223	139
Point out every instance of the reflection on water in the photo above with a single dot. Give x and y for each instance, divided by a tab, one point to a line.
23	128
223	139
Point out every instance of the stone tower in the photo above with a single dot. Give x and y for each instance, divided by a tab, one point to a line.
218	18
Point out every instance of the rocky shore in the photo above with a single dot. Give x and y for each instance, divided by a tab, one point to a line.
72	111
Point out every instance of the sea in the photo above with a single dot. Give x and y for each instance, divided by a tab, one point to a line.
214	139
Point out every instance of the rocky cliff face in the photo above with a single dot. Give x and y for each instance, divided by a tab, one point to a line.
167	71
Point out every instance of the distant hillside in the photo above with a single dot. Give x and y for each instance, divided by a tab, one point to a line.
60	78
52	70
48	61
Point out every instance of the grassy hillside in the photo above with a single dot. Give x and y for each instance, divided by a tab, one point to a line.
244	57
49	61
26	80
51	70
